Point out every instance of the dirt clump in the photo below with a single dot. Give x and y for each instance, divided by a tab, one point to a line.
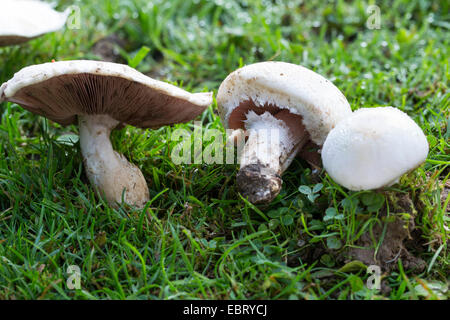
391	249
400	238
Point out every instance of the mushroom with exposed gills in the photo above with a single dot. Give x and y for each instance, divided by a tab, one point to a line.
373	148
282	107
100	96
23	20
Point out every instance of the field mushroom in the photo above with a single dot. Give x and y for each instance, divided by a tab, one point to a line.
23	20
373	148
100	96
282	107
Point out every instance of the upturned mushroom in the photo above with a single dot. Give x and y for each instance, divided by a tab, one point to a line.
100	96
373	148
282	107
23	20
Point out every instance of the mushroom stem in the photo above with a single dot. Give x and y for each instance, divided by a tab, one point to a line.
109	171
272	145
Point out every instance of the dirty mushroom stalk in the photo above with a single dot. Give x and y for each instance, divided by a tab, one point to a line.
271	147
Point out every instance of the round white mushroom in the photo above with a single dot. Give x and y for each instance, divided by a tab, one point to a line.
373	148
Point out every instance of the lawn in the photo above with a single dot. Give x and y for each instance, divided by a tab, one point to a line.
198	238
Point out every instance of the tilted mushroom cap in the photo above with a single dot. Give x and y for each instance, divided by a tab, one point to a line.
100	96
22	20
373	148
280	85
62	90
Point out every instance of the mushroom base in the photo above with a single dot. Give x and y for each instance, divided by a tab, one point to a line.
259	183
113	177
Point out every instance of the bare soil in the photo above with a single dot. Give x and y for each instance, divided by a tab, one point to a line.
401	238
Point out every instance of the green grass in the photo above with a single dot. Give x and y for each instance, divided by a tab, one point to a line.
198	238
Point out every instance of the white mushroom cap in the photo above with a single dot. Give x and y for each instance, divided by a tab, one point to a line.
373	148
62	90
22	20
286	86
